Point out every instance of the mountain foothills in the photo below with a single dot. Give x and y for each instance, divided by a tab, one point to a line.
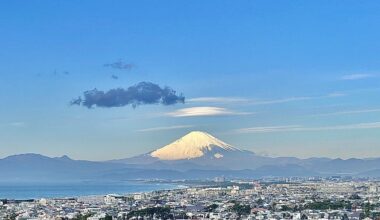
197	155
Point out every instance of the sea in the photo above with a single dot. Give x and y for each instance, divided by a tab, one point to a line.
21	191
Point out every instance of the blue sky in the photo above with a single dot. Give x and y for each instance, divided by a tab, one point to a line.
282	78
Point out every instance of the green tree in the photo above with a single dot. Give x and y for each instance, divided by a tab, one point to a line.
241	209
211	208
82	217
367	209
108	217
160	212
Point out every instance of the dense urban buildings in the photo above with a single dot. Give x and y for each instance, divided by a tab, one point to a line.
291	198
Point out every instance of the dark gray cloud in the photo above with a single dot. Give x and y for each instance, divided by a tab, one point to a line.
142	93
120	65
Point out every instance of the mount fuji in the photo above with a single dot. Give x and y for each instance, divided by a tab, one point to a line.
194	145
199	149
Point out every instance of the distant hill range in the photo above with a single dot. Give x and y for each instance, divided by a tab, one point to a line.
197	155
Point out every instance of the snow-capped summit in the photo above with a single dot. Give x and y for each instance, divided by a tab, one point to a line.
200	150
194	145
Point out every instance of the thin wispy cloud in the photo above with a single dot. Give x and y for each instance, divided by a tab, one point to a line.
356	76
218	100
120	65
234	100
60	73
268	129
115	77
18	124
247	101
299	128
298	99
55	73
204	111
280	101
175	127
336	94
349	112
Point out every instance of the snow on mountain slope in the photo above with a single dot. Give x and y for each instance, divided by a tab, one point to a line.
193	145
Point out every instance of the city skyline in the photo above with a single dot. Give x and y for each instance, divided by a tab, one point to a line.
276	78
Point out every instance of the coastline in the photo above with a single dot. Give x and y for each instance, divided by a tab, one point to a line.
76	189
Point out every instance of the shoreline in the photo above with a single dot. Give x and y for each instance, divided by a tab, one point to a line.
72	190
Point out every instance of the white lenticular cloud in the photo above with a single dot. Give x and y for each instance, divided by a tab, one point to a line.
204	111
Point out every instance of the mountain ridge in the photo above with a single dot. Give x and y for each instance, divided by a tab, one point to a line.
196	159
232	158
